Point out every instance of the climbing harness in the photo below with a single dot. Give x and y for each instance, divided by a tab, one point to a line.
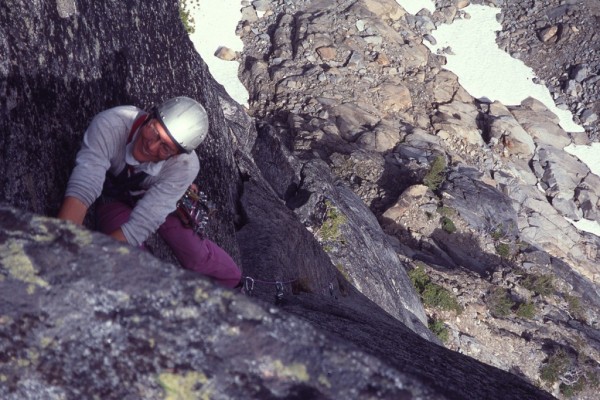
194	211
126	186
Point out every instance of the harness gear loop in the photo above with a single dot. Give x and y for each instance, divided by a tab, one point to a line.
194	210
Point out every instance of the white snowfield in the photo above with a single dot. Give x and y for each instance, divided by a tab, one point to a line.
214	23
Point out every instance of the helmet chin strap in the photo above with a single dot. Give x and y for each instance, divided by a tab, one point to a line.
137	125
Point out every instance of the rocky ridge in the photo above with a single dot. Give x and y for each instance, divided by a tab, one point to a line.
560	41
351	83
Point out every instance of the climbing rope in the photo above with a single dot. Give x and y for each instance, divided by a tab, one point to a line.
249	282
279	285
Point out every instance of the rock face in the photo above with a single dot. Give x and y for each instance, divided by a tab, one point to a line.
83	316
489	225
559	40
349	115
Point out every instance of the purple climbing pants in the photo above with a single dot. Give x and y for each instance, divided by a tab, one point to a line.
194	253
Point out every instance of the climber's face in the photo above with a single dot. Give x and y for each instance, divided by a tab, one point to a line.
153	144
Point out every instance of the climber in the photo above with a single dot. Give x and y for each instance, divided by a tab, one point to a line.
138	165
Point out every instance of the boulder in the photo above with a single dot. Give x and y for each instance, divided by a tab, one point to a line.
515	139
383	138
353	120
483	210
560	173
541	124
458	120
394	97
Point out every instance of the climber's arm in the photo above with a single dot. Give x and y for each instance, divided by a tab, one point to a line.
72	209
118	234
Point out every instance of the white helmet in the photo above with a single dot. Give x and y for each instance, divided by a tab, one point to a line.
185	121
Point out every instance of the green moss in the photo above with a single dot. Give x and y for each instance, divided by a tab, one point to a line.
572	390
419	278
330	230
526	310
184	387
539	283
324	381
81	237
439	329
436	175
499	302
19	266
276	369
446	211
575	308
187	21
503	250
123	251
432	294
448	225
295	371
439	297
501	231
200	295
497	234
557	364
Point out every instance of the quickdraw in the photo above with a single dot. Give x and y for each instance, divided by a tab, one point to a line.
194	211
249	287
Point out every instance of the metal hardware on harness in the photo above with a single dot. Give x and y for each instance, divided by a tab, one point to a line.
248	285
194	210
279	294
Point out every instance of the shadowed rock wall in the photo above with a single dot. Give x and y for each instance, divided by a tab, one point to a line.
63	62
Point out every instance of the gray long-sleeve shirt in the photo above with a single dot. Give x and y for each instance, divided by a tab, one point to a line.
105	149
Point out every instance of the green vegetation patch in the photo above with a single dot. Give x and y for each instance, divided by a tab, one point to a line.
539	283
187	21
503	250
330	229
20	267
448	225
573	374
557	364
419	278
446	211
184	386
438	327
436	175
432	294
498	234
499	302
575	308
526	310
